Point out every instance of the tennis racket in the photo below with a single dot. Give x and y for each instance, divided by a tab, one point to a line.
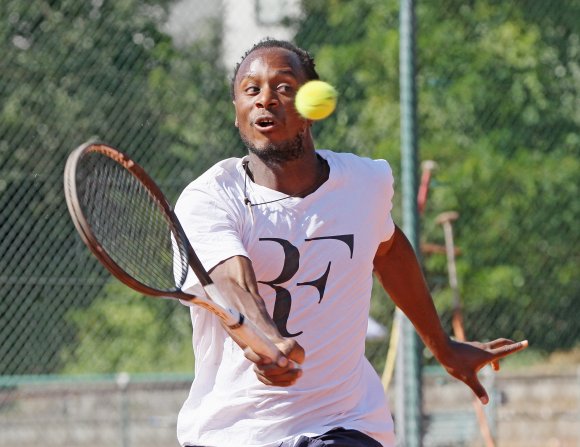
128	224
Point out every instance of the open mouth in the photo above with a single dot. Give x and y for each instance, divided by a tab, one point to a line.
265	123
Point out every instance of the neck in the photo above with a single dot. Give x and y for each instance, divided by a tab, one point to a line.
296	178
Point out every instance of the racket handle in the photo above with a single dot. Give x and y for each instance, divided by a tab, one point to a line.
255	339
242	327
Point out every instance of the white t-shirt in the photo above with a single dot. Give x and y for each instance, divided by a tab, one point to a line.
313	259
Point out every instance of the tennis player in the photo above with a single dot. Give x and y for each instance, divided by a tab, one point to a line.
292	235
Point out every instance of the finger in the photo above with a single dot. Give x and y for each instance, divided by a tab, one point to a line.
297	355
283	384
472	381
273	369
497	343
288	376
282	361
495	365
292	350
277	377
255	358
506	350
478	389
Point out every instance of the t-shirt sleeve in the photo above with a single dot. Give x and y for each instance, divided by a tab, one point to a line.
211	226
387	182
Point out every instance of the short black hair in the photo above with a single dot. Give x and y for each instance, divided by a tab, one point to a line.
306	60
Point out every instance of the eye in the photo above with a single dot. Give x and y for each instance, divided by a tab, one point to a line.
252	90
285	88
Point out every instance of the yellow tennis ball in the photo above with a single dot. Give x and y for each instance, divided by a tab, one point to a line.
315	100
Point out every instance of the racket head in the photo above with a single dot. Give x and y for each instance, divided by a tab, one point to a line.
128	224
125	220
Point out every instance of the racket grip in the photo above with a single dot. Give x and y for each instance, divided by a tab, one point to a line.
245	329
260	344
255	339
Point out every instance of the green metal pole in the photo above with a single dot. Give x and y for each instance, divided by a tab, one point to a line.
408	373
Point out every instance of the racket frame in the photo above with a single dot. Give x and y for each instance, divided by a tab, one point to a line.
243	328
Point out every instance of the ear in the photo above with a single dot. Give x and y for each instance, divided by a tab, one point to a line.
236	123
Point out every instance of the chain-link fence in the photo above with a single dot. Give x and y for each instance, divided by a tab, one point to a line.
499	113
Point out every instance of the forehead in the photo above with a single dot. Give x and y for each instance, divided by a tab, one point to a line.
274	60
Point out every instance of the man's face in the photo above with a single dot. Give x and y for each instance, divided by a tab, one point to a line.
265	87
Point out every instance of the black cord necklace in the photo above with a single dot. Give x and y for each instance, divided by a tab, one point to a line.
247	201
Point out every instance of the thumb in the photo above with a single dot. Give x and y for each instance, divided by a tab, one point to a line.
282	361
254	357
479	390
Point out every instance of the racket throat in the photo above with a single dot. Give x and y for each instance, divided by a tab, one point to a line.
231	318
239	324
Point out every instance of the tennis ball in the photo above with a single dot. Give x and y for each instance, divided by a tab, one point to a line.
315	100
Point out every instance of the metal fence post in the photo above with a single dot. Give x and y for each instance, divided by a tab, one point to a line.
408	376
123	380
578	383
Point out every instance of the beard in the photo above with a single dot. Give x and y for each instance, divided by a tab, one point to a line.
277	153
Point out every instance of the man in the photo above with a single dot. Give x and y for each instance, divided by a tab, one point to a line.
292	236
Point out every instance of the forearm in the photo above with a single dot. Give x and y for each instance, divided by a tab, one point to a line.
235	279
397	268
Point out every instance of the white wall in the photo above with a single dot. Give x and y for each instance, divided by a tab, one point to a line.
245	22
248	21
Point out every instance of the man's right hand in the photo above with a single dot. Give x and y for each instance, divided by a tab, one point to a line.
285	370
236	279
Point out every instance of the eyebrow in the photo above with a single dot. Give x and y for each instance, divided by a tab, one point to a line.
284	72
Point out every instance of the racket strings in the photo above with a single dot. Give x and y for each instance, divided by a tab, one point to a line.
130	224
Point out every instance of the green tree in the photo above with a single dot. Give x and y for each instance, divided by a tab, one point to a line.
57	90
191	86
121	330
498	89
505	131
73	71
124	331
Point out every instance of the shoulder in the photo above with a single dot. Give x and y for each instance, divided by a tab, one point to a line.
224	172
219	178
219	184
364	168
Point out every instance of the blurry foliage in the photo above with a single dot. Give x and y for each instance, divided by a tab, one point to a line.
72	71
498	93
125	331
191	86
498	89
57	91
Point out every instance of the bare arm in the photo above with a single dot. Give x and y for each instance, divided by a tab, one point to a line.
399	272
236	279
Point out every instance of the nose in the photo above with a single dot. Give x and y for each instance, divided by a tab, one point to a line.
267	98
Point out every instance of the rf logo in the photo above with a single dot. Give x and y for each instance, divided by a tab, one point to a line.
290	267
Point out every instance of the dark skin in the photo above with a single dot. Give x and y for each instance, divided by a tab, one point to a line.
264	90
